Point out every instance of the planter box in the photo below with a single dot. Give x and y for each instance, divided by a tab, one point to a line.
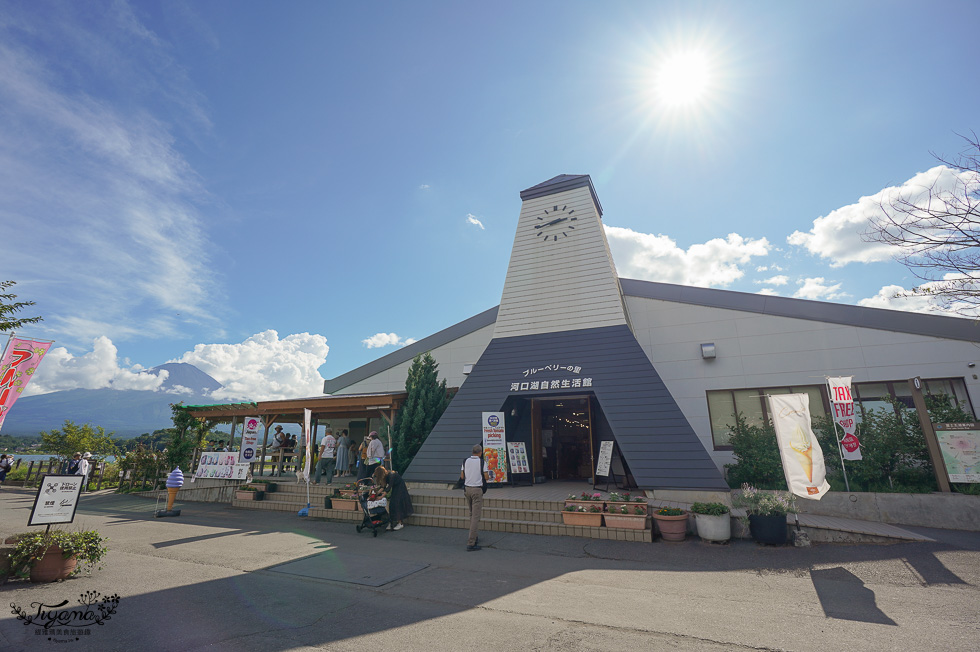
610	506
714	528
350	494
345	504
626	521
267	487
583	503
672	528
249	495
587	519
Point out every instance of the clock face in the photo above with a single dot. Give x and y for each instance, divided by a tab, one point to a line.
554	224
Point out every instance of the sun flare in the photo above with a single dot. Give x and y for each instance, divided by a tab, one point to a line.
683	79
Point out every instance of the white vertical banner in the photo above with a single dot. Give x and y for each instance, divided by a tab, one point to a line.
307	417
803	465
250	440
843	404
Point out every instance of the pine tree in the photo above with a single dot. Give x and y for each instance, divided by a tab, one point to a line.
8	307
427	400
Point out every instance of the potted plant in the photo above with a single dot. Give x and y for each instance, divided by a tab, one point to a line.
586	499
579	515
55	555
627	517
713	521
347	500
349	491
263	484
248	492
672	523
766	513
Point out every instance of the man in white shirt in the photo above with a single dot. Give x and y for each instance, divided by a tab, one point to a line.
328	457
83	469
375	454
474	473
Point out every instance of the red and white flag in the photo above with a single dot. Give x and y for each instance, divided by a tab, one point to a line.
843	405
17	367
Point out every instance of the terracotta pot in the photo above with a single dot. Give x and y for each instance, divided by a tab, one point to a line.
588	519
672	528
345	504
53	566
627	521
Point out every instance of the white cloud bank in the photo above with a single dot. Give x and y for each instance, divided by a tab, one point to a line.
97	369
263	367
472	219
817	289
837	235
379	340
651	257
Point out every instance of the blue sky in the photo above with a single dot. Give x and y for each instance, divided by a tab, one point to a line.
268	190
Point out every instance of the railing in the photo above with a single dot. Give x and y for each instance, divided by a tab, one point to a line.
38	469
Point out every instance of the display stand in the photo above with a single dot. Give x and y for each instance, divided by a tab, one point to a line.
520	469
604	468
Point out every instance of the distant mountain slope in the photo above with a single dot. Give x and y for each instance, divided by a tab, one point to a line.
128	413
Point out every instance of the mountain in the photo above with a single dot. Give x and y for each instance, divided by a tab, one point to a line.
128	413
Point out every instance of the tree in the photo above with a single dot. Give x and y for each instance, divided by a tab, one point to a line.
427	400
186	435
8	307
71	439
937	232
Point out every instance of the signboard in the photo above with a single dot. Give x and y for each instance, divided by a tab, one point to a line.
250	440
223	466
495	446
518	458
959	444
803	465
605	458
56	499
843	405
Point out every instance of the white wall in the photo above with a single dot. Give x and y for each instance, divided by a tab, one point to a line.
450	357
755	350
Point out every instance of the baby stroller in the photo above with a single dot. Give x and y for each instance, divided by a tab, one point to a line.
374	504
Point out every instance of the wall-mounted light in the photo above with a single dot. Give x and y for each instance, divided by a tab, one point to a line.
708	350
513	412
972	365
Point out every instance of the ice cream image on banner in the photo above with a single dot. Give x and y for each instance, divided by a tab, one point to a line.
801	445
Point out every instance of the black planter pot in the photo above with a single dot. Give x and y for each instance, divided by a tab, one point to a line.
327	503
770	530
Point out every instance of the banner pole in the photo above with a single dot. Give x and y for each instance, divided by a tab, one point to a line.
840	451
7	345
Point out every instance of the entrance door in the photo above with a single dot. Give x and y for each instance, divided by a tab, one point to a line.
565	431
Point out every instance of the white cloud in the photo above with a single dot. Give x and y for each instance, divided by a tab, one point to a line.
379	340
817	289
124	245
837	235
97	369
766	268
658	258
887	298
471	219
769	292
263	367
424	186
782	279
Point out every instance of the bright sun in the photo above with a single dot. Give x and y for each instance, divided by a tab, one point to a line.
682	79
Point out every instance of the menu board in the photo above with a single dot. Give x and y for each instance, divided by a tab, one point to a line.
605	458
223	466
518	458
56	499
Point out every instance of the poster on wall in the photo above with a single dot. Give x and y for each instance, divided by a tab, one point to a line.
56	499
960	445
495	446
250	440
803	465
222	466
518	458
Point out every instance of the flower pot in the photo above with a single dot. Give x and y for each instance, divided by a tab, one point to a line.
249	495
770	530
345	504
626	521
53	566
714	528
583	503
672	528
588	519
267	487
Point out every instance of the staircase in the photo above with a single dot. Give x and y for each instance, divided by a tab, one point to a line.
504	510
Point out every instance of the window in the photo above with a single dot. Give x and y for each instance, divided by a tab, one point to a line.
873	396
723	404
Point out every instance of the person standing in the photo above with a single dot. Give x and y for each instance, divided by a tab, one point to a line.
83	468
343	453
279	444
362	457
328	457
474	474
375	454
6	463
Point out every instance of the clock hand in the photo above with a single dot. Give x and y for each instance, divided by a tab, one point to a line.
541	226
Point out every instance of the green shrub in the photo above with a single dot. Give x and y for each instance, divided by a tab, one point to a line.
710	509
757	460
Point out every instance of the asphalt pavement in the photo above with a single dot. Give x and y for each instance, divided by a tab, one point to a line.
218	578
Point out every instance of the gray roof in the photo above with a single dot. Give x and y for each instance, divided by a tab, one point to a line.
561	183
942	326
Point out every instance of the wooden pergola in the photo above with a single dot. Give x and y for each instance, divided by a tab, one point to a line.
344	406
